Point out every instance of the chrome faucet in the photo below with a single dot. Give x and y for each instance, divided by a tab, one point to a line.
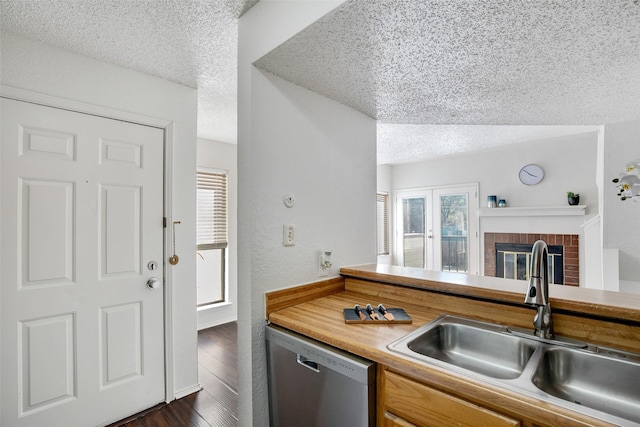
538	290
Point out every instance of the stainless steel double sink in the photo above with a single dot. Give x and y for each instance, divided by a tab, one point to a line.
599	382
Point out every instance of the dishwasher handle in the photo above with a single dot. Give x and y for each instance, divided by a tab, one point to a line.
307	363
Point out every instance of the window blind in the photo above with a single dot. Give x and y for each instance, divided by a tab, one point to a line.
382	223
211	210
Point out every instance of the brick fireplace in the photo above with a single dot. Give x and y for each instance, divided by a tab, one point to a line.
569	243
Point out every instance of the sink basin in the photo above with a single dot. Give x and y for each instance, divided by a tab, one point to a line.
480	347
599	382
605	383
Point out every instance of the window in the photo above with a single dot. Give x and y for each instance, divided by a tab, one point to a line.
382	223
211	229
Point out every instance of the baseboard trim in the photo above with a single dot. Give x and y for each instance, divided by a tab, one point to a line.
187	391
217	322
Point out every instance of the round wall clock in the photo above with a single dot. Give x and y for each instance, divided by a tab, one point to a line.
531	174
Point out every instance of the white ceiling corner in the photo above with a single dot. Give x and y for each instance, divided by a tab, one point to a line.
190	42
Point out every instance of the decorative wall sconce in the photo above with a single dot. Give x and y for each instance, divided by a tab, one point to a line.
628	184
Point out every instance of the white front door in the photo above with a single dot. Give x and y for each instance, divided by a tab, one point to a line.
82	222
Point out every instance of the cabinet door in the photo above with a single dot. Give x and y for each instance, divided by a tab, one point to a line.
425	406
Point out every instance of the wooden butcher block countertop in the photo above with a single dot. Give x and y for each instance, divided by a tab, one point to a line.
316	311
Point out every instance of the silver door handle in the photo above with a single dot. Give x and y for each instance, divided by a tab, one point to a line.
153	283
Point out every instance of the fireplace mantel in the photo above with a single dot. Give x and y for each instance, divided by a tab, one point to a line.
578	210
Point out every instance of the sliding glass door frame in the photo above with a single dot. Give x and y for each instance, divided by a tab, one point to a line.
432	231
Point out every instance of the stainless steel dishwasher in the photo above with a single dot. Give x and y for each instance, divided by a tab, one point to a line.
313	384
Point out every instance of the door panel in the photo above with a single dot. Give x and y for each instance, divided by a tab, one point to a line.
120	223
120	153
48	376
120	340
47	240
414	237
414	230
47	144
456	231
82	215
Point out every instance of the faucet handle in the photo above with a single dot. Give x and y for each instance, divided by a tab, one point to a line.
536	294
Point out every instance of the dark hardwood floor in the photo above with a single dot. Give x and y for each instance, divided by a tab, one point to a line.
217	403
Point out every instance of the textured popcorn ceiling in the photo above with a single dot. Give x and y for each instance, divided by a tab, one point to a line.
468	64
402	143
191	42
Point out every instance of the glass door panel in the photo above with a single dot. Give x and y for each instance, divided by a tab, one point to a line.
454	230
413	231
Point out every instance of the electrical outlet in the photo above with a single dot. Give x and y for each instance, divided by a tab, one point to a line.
322	270
289	235
324	263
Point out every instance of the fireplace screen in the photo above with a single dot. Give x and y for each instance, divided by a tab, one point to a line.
513	262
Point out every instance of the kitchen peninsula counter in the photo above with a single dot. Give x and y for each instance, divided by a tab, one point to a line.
316	311
570	298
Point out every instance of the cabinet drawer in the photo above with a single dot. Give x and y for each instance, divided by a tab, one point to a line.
425	406
391	420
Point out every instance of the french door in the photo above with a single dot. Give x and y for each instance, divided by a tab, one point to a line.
82	267
436	228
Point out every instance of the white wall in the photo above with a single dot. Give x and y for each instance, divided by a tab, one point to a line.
292	141
219	155
621	218
46	70
569	163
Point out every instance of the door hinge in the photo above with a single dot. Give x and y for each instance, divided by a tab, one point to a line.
164	222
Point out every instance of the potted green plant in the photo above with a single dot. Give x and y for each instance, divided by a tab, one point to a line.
573	198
